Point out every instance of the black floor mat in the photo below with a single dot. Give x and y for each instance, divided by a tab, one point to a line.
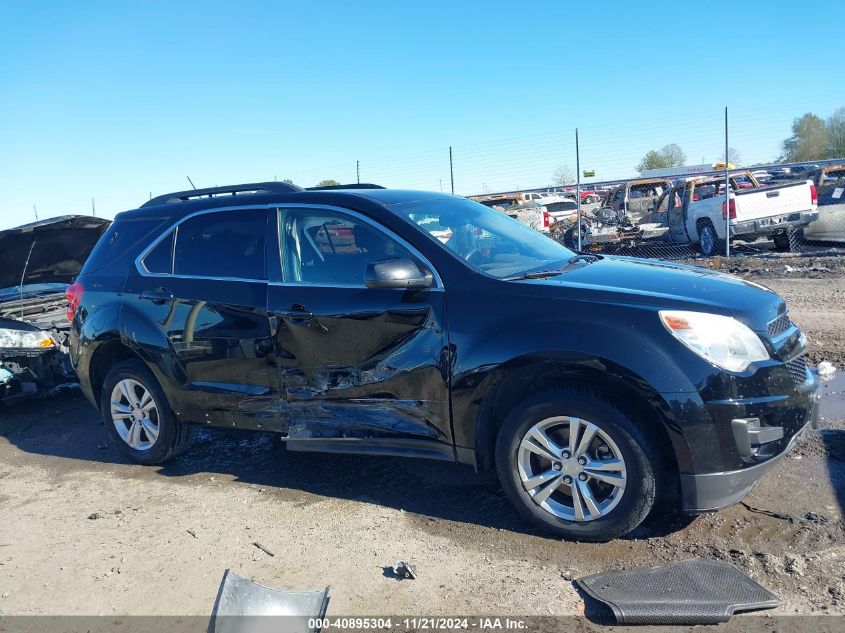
687	592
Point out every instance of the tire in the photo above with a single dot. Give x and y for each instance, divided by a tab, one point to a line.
782	242
141	446
615	512
708	241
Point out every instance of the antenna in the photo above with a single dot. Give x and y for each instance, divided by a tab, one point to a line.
36	212
191	181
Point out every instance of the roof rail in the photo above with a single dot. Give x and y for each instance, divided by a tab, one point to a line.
230	190
355	185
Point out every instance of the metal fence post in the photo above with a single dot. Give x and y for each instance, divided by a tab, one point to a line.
578	185
451	170
727	192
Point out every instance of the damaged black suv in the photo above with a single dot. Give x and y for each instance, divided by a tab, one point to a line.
38	262
367	320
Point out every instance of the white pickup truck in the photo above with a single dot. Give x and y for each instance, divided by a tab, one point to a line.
695	212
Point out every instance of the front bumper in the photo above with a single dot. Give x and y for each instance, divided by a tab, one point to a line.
26	372
774	225
713	491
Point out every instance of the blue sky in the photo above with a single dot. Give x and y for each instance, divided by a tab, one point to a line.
117	100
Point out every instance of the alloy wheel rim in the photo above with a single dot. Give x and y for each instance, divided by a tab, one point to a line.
706	240
571	468
135	414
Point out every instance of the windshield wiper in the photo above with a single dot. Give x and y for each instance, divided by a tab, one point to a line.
583	258
539	274
587	258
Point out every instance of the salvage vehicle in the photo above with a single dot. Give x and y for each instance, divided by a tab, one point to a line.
830	225
38	262
597	387
630	201
695	212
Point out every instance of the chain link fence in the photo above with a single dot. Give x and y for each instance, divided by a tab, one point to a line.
665	206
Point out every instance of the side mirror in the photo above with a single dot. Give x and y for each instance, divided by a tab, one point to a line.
397	273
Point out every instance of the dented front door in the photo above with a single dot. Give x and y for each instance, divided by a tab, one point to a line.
361	369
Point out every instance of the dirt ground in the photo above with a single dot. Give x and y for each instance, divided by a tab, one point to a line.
84	532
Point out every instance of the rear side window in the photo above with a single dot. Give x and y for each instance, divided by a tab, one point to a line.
160	259
228	244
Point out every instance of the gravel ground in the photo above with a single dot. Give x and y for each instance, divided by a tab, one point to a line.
85	532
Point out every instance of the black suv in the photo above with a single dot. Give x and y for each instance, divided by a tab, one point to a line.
368	320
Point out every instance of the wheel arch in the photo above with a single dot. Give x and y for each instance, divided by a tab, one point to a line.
522	378
108	354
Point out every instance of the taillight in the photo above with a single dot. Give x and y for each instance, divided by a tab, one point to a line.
74	296
730	208
814	195
547	219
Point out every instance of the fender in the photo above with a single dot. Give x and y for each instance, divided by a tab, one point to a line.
147	339
618	346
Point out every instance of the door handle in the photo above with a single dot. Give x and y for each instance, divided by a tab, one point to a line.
299	315
294	312
157	295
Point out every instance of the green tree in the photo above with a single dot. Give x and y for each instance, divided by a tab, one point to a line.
328	183
836	132
288	181
669	156
810	140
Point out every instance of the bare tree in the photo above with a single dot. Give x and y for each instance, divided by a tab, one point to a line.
734	156
564	175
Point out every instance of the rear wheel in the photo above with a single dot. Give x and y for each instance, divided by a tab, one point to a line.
138	417
576	466
782	242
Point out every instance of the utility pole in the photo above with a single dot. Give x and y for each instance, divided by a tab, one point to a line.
93	208
358	170
451	170
578	185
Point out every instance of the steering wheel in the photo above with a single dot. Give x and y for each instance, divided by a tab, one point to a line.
475	252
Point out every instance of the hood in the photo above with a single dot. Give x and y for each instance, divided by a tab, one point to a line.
56	249
673	286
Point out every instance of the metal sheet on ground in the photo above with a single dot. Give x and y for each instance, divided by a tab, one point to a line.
244	606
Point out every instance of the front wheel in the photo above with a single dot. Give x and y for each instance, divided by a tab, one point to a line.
576	466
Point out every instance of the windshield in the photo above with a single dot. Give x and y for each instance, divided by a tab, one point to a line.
486	239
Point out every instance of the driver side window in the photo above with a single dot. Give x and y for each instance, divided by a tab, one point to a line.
326	247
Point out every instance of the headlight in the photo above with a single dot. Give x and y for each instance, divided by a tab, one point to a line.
722	340
21	339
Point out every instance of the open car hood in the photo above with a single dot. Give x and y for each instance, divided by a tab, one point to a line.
56	249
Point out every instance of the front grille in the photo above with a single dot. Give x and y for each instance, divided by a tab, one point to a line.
780	325
798	369
22	353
